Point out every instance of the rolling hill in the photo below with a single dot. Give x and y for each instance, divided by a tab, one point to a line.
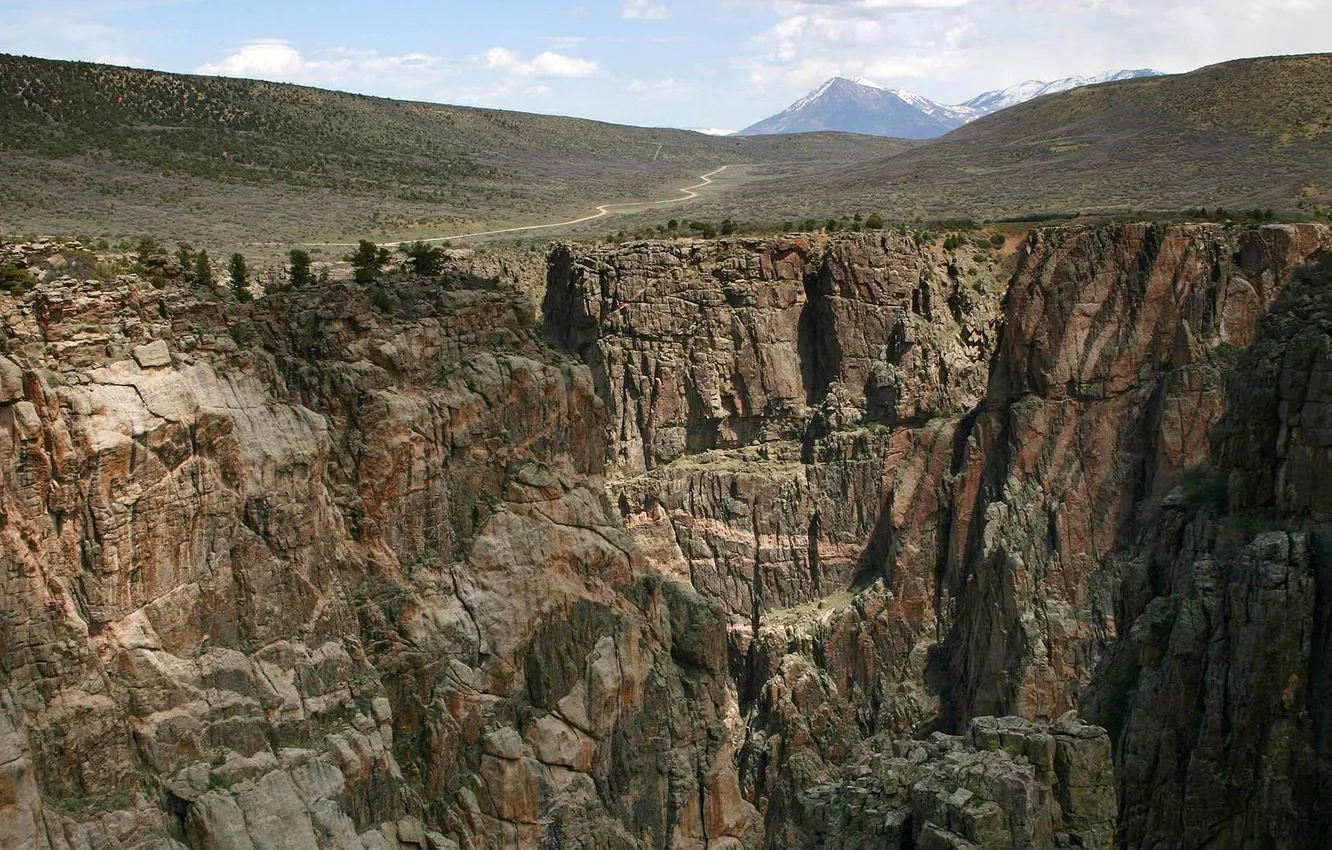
1253	133
87	148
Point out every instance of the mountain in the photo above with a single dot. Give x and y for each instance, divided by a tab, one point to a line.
993	101
230	161
860	106
1253	133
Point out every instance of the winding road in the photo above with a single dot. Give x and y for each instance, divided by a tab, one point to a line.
602	211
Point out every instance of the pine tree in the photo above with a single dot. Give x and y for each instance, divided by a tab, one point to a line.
240	277
185	256
203	270
300	267
368	261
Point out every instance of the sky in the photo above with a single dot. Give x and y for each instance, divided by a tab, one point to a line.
698	64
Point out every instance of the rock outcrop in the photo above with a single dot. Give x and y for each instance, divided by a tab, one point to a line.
1221	685
1117	347
312	573
761	393
1006	783
941	521
784	542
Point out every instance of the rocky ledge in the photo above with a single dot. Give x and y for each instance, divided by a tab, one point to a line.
1007	783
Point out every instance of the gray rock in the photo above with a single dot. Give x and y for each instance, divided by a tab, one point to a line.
11	381
153	355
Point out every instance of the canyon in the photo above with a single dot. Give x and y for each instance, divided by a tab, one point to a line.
796	541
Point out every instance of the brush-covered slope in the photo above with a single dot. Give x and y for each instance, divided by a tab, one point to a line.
120	151
1255	133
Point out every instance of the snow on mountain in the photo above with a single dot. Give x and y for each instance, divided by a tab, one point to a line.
861	106
993	101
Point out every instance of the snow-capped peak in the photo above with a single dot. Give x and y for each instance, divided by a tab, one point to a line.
993	101
812	96
861	106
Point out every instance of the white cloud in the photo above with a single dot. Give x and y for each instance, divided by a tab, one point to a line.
667	88
643	10
954	49
547	64
406	75
119	59
265	59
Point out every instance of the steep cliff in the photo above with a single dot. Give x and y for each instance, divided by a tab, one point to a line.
918	504
804	545
312	573
1221	684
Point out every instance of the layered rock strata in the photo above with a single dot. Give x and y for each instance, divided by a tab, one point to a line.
760	393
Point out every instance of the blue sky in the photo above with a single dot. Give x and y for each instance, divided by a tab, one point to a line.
683	63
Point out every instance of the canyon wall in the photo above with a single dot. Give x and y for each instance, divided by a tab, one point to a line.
847	543
924	488
312	573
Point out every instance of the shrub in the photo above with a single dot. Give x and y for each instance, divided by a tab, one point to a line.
874	222
953	242
727	227
997	240
299	273
810	225
425	260
368	261
382	300
185	255
15	280
147	247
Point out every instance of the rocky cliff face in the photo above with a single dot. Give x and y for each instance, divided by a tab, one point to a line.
946	517
1221	682
310	573
785	542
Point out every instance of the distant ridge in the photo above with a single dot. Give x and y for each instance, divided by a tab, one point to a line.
993	101
1242	135
860	106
